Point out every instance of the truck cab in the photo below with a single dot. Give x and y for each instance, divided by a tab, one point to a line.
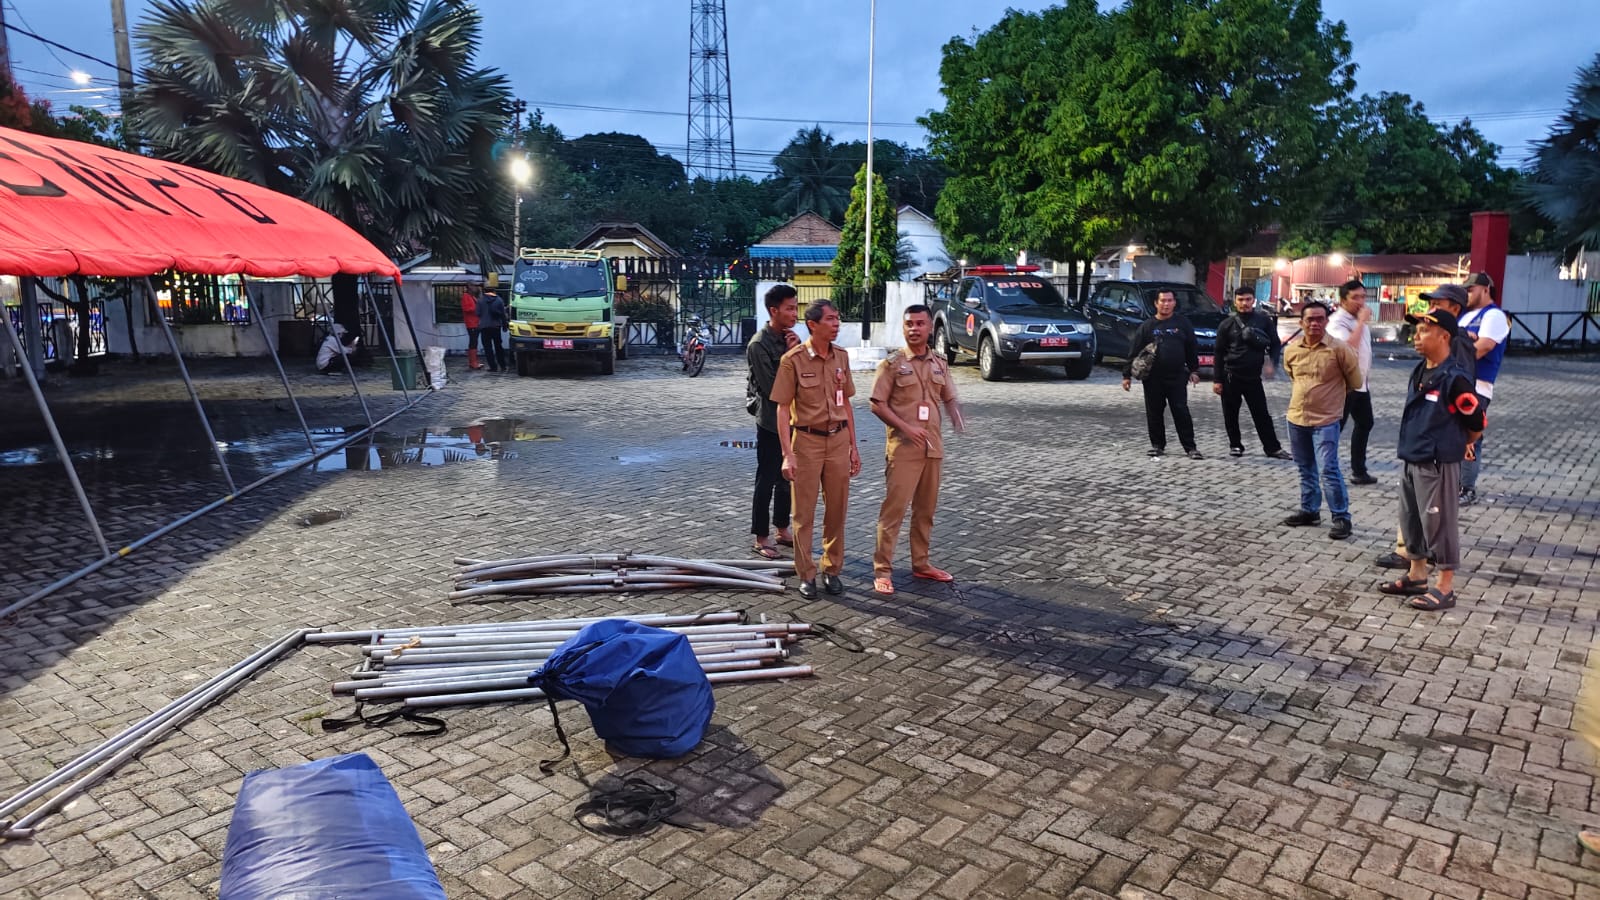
1008	316
562	304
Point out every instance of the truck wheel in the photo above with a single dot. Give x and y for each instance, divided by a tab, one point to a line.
524	364
1080	368
941	345
608	360
990	365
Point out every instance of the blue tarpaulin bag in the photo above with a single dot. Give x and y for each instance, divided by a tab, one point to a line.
324	829
643	688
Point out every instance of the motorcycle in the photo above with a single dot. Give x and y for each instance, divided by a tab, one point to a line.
692	351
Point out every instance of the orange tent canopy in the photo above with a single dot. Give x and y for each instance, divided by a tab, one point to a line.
70	208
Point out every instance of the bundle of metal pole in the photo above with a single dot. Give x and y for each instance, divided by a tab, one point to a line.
556	636
579	565
499	681
417	656
469	563
372	677
609	581
471	697
408	631
125	746
611	572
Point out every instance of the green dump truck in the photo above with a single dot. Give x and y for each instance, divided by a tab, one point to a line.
562	305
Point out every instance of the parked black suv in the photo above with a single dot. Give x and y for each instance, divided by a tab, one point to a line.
1117	307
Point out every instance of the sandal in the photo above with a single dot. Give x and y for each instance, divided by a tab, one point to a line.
785	542
1434	601
1404	587
766	552
883	585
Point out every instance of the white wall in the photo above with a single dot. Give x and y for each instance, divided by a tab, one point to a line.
927	244
1533	284
269	302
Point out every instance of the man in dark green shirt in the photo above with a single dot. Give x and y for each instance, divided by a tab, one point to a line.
772	501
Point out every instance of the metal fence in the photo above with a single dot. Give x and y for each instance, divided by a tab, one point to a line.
59	324
663	293
1568	330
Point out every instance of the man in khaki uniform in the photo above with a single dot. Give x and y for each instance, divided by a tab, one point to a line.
819	444
906	395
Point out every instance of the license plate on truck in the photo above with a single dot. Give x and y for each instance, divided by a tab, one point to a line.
558	343
1207	360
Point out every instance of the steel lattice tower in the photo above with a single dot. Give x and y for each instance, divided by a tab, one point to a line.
710	149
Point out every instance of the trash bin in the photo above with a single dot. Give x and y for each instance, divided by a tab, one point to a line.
403	371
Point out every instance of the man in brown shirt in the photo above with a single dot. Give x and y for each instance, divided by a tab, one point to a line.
813	389
906	395
1321	371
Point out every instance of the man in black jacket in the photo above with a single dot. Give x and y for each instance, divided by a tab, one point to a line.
1177	360
763	353
1247	348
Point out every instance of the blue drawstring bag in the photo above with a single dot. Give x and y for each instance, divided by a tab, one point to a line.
328	828
643	688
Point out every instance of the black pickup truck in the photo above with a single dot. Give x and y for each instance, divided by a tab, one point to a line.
1008	316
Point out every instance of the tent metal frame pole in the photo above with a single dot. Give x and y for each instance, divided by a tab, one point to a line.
55	438
272	351
349	369
194	393
174	525
411	328
394	353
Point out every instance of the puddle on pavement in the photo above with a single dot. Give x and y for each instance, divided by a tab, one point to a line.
489	438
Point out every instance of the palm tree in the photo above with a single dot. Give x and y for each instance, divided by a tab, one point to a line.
1564	184
368	109
815	177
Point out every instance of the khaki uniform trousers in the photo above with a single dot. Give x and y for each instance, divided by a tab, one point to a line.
820	462
913	479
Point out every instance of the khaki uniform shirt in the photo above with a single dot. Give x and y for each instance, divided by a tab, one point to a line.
815	389
1321	376
908	384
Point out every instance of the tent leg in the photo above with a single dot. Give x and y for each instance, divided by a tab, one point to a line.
272	350
405	310
55	435
350	370
34	358
394	354
205	423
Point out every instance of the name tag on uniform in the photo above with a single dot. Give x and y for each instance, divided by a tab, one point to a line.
923	412
1431	396
838	397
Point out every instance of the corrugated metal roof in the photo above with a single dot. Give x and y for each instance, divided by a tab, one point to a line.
800	254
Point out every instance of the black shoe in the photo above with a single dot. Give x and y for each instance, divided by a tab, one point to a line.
1154	452
1194	454
1302	519
1467	497
832	584
1281	453
1235	451
1341	529
1363	478
1392	561
808	590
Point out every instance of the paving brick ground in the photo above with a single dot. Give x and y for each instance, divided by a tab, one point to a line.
1141	684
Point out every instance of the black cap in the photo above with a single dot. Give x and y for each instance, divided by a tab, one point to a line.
1455	293
1480	279
1440	317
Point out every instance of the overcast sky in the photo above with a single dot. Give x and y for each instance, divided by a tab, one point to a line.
1506	65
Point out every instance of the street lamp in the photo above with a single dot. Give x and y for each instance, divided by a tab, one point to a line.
521	174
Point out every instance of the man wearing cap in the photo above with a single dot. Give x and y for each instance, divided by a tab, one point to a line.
1321	372
812	389
1350	323
1451	298
1442	417
1488	327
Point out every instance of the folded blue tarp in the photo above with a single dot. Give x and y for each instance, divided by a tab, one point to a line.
324	829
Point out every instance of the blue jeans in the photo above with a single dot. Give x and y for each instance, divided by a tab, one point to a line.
1469	467
1316	451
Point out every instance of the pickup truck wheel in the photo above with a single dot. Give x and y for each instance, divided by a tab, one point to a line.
1080	368
941	345
990	365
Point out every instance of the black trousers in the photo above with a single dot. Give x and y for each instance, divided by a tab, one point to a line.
472	338
1358	406
493	349
772	491
1250	392
1160	393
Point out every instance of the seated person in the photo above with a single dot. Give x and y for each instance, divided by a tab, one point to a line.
339	343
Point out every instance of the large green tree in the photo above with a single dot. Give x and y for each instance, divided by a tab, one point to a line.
1402	183
1188	123
849	264
814	176
1563	185
372	110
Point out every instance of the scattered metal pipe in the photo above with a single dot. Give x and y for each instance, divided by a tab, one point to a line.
474	697
339	637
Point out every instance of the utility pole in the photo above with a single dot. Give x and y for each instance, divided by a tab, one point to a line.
119	31
5	47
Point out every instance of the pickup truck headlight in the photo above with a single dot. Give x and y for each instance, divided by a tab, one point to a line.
1205	332
1010	328
1085	328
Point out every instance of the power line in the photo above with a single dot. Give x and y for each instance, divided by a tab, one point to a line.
44	40
544	104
